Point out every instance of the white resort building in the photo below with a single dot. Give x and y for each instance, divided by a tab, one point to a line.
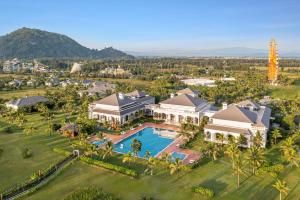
119	107
245	118
184	106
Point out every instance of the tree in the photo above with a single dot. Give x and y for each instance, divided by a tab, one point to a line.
238	168
176	166
108	149
282	187
29	130
275	135
289	151
255	158
150	165
257	139
232	151
128	158
147	155
136	147
213	150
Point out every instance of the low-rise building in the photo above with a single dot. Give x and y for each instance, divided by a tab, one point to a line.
101	88
15	104
120	108
13	65
199	81
244	119
183	107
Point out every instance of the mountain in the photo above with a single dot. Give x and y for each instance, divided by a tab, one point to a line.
220	52
35	43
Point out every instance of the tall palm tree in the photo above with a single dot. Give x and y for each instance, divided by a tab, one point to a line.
147	155
275	135
289	150
150	165
282	187
136	147
166	158
232	151
213	151
128	158
238	168
108	149
255	158
176	166
257	139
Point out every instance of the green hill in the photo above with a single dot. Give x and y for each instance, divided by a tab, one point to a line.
35	43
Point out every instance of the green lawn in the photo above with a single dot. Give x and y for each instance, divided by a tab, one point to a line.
13	168
286	92
21	93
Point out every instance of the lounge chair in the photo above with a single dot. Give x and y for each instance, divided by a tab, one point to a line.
191	161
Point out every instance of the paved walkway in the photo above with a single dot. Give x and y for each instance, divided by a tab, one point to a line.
191	155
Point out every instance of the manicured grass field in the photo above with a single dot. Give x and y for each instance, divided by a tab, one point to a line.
286	92
21	93
13	168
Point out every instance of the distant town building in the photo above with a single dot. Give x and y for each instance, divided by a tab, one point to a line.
26	101
115	71
15	83
199	81
52	82
120	107
13	65
98	88
244	119
227	79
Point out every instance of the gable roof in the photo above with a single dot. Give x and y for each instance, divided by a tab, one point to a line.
236	113
248	103
115	100
28	101
187	91
184	100
136	93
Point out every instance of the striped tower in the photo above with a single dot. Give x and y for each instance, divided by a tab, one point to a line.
273	62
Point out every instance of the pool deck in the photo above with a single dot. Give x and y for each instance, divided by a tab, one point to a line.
191	155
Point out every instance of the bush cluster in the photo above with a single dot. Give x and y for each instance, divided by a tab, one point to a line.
90	194
204	191
26	152
110	166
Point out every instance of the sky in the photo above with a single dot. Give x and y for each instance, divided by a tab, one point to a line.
149	25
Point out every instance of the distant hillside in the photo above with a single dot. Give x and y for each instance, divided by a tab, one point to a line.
34	43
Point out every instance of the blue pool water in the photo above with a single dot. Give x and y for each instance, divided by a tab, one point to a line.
99	142
175	155
150	142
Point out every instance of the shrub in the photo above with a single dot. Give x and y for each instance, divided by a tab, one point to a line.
110	166
204	191
90	194
56	126
273	170
1	152
26	152
7	129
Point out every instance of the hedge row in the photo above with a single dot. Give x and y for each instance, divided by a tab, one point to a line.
110	166
204	191
273	169
61	151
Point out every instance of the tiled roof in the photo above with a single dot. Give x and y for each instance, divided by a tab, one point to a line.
236	113
115	100
27	101
184	100
136	93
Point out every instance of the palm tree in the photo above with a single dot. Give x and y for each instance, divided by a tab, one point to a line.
150	165
136	147
238	168
29	130
257	139
166	158
281	186
255	158
213	150
232	151
108	149
176	166
289	150
147	155
275	135
128	158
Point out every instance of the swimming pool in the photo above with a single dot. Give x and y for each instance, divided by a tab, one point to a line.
99	142
175	155
151	142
